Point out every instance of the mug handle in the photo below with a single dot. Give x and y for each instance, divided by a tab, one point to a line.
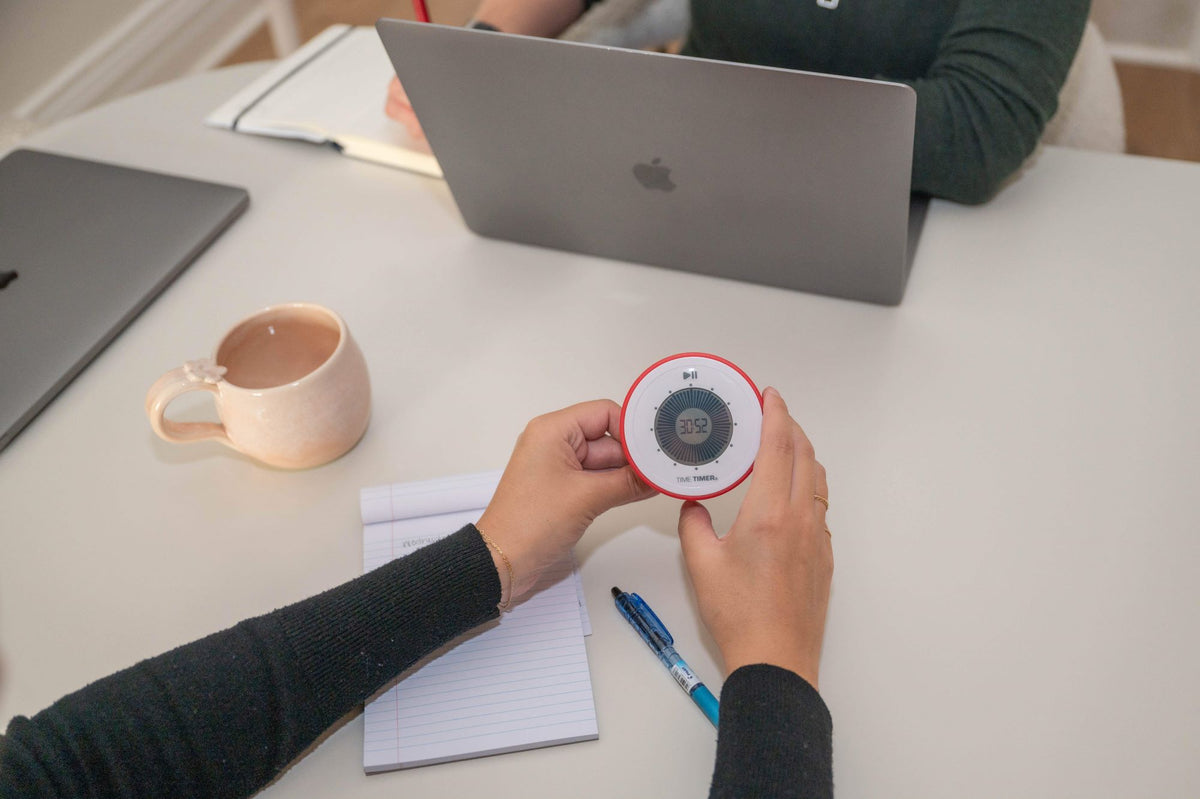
202	375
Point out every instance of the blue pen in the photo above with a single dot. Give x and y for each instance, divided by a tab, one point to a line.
655	634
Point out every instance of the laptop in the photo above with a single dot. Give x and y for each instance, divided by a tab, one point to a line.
774	176
84	247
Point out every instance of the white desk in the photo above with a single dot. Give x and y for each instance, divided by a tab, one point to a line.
1012	455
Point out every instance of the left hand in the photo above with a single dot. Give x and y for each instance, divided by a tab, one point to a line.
565	470
399	108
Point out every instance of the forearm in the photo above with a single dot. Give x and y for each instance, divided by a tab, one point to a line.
775	737
546	18
986	99
224	715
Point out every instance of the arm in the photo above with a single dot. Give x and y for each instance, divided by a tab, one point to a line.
991	89
763	590
775	739
223	716
546	18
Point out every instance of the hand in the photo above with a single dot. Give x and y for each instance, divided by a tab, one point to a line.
566	469
400	109
763	589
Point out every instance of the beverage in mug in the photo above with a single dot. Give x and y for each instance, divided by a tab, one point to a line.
290	386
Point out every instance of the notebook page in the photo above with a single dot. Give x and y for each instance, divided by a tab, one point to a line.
388	503
427	500
518	684
332	89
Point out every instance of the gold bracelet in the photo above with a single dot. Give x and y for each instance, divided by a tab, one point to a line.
507	565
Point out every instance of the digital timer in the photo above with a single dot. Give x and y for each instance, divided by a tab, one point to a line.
690	425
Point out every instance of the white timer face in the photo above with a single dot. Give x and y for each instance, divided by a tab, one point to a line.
691	425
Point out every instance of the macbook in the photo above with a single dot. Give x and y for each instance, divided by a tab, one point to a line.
84	247
774	176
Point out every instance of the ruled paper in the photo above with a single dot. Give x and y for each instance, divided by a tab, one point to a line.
518	684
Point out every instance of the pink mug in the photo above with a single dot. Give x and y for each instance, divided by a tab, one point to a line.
290	386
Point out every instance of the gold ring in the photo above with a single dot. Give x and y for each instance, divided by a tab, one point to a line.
822	500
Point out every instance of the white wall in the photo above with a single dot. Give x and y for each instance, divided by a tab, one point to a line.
59	57
1163	31
39	37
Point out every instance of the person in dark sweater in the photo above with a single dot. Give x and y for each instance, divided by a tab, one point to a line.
987	73
225	715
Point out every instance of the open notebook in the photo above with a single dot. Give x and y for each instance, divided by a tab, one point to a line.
330	91
521	683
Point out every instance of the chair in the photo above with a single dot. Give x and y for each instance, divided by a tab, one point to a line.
1091	113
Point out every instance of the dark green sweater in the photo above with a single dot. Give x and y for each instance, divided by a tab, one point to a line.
221	717
987	72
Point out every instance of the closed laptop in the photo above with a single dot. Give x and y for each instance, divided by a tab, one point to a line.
84	247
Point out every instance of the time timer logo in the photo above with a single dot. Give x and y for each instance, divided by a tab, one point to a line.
654	175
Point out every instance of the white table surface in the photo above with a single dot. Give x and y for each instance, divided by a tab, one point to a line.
1012	454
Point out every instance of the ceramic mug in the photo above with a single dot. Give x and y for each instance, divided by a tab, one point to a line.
290	386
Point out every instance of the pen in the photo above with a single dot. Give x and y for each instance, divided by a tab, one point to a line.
421	11
655	634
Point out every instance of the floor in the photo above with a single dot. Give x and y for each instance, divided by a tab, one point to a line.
1162	106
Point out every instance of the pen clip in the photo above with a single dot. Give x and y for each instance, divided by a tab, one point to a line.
651	618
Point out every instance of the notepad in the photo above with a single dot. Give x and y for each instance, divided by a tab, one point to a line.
521	683
331	91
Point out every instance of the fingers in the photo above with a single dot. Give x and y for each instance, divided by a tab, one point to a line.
590	429
614	487
595	418
603	453
804	472
822	481
773	465
400	109
397	101
787	477
821	490
808	477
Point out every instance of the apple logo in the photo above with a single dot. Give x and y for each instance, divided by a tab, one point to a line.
6	278
654	175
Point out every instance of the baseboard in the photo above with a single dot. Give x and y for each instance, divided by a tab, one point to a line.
162	40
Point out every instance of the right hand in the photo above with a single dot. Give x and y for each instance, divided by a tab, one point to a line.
400	109
763	589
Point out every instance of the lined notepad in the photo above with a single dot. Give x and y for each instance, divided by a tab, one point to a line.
519	684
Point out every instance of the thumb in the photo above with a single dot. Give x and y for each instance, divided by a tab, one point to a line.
695	529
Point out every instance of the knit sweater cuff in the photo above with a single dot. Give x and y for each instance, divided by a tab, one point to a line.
390	617
775	737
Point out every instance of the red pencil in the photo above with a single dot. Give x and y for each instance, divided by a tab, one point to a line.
420	10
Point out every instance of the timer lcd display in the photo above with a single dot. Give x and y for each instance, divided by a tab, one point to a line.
693	426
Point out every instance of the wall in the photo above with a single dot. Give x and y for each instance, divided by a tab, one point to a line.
38	38
1154	31
59	57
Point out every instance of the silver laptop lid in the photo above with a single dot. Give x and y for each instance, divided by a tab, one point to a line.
775	176
84	247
